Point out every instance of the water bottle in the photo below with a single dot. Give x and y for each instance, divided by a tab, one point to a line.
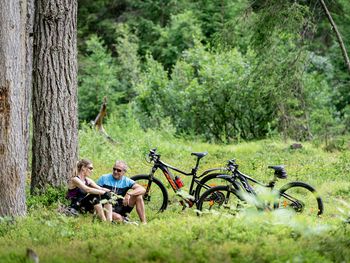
178	182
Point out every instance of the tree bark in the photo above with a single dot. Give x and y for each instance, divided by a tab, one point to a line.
29	69
55	124
14	110
337	33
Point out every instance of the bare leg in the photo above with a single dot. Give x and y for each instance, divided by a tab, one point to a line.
100	212
140	207
117	217
108	212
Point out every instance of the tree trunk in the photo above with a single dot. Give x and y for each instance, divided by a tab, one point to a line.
29	69
14	109
55	133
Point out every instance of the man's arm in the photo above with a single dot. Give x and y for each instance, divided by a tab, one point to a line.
94	185
136	190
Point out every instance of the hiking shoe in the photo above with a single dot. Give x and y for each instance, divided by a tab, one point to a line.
126	220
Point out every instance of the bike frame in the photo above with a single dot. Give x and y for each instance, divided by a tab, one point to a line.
243	178
165	168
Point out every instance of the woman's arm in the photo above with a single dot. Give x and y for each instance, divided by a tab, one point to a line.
78	183
94	185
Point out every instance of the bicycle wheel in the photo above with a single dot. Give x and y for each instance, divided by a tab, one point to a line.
300	197
219	198
156	196
207	182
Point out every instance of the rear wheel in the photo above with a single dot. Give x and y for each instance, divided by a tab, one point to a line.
156	196
219	198
208	182
300	197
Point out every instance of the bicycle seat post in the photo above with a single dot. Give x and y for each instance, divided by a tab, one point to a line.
199	155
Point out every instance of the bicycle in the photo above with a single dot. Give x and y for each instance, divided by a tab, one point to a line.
293	195
156	197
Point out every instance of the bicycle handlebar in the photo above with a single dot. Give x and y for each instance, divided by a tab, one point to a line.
153	155
231	165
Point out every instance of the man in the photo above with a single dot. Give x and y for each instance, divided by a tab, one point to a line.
120	184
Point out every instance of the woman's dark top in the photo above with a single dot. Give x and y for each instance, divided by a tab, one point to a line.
77	193
81	200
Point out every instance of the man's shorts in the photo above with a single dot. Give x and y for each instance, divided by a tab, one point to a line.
122	210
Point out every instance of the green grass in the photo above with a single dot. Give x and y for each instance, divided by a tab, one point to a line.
182	236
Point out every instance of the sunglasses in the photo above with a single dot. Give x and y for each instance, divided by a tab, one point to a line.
90	168
118	170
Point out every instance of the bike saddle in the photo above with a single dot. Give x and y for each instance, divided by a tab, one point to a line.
200	155
280	172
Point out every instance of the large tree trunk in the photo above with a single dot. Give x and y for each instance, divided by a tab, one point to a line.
29	69
55	133
13	107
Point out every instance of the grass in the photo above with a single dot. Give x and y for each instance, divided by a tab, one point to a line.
181	236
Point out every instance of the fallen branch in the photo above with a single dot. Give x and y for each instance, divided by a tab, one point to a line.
97	123
337	33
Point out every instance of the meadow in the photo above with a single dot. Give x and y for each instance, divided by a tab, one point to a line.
178	235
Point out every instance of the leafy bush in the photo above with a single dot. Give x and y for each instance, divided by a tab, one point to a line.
51	197
97	79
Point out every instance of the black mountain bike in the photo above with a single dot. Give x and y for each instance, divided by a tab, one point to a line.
156	197
299	196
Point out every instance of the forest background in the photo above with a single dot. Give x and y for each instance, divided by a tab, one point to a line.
224	71
241	79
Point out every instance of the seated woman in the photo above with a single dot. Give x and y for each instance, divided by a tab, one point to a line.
85	194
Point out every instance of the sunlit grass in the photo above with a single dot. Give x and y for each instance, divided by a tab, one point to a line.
180	235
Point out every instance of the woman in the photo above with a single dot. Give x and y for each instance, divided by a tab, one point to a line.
85	194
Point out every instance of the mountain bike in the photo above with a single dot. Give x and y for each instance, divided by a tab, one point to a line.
156	197
298	196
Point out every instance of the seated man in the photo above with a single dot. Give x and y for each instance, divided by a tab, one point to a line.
120	184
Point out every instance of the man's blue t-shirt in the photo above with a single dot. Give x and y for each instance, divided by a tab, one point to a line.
120	187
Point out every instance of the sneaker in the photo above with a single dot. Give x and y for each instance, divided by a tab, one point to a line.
126	220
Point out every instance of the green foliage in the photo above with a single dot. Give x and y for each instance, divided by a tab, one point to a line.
180	35
181	236
151	93
272	63
128	63
97	79
224	95
51	197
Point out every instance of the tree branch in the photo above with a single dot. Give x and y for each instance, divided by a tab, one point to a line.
97	123
340	40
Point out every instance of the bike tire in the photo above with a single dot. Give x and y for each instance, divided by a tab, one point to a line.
219	198
156	199
302	193
208	182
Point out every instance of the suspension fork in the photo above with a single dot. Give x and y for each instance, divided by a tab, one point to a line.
150	180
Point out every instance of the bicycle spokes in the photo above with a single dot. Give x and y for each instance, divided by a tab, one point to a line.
300	200
219	200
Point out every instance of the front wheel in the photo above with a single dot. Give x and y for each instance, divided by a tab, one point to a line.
300	197
219	198
207	182
156	196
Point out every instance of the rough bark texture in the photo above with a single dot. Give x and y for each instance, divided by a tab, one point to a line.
55	133
29	70
13	107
